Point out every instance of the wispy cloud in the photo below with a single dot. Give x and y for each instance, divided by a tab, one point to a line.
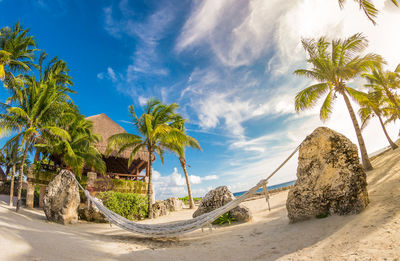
174	185
146	61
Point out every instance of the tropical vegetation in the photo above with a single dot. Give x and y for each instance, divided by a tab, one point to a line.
159	128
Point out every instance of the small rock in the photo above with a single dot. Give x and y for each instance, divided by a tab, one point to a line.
241	213
159	209
91	213
174	204
218	197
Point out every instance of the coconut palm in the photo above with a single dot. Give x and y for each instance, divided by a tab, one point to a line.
179	150
41	103
386	81
333	65
17	49
368	7
156	132
375	105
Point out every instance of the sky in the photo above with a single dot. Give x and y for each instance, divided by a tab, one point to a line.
228	64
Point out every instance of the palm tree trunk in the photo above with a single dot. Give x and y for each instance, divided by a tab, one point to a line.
391	97
364	155
13	170
21	173
183	164
392	144
150	186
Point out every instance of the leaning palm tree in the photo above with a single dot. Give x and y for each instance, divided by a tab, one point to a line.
179	150
387	81
17	49
157	132
375	105
333	65
368	7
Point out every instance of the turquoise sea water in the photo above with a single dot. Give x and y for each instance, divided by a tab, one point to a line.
237	194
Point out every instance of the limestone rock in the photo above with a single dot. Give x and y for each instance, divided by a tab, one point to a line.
241	213
217	198
174	204
91	213
330	178
62	199
159	209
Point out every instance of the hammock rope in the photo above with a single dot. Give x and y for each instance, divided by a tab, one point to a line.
180	227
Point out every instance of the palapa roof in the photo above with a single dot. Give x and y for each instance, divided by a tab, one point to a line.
106	127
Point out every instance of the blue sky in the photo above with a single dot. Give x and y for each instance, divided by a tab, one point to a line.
229	64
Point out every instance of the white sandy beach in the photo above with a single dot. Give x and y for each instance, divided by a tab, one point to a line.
372	235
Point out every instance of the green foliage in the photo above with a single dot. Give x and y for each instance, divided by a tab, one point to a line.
129	205
322	215
129	186
186	199
225	218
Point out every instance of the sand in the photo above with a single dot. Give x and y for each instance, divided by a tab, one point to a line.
372	235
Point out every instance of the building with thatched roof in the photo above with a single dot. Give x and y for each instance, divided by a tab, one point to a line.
117	165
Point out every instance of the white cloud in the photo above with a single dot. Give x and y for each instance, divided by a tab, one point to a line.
174	185
229	92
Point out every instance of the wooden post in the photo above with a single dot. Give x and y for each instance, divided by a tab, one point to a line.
30	190
41	195
266	194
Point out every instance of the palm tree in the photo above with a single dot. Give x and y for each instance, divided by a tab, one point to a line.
17	49
179	150
41	102
368	7
156	130
332	65
384	80
375	105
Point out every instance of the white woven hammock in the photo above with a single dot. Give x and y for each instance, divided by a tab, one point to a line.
180	227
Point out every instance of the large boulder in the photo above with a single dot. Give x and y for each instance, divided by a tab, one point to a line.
62	199
330	178
174	204
90	212
217	198
159	209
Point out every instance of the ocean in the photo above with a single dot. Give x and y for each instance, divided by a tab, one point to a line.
237	194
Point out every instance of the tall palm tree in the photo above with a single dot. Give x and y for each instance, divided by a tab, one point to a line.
387	81
41	102
368	7
333	65
156	133
17	49
179	150
374	105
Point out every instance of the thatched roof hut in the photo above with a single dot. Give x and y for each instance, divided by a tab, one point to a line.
117	165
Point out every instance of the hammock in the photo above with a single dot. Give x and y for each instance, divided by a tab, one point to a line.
180	227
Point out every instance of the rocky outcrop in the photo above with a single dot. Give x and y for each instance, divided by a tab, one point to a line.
62	199
159	209
91	213
330	178
217	198
174	204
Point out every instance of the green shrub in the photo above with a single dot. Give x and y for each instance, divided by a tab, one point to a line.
129	205
225	218
133	186
186	199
